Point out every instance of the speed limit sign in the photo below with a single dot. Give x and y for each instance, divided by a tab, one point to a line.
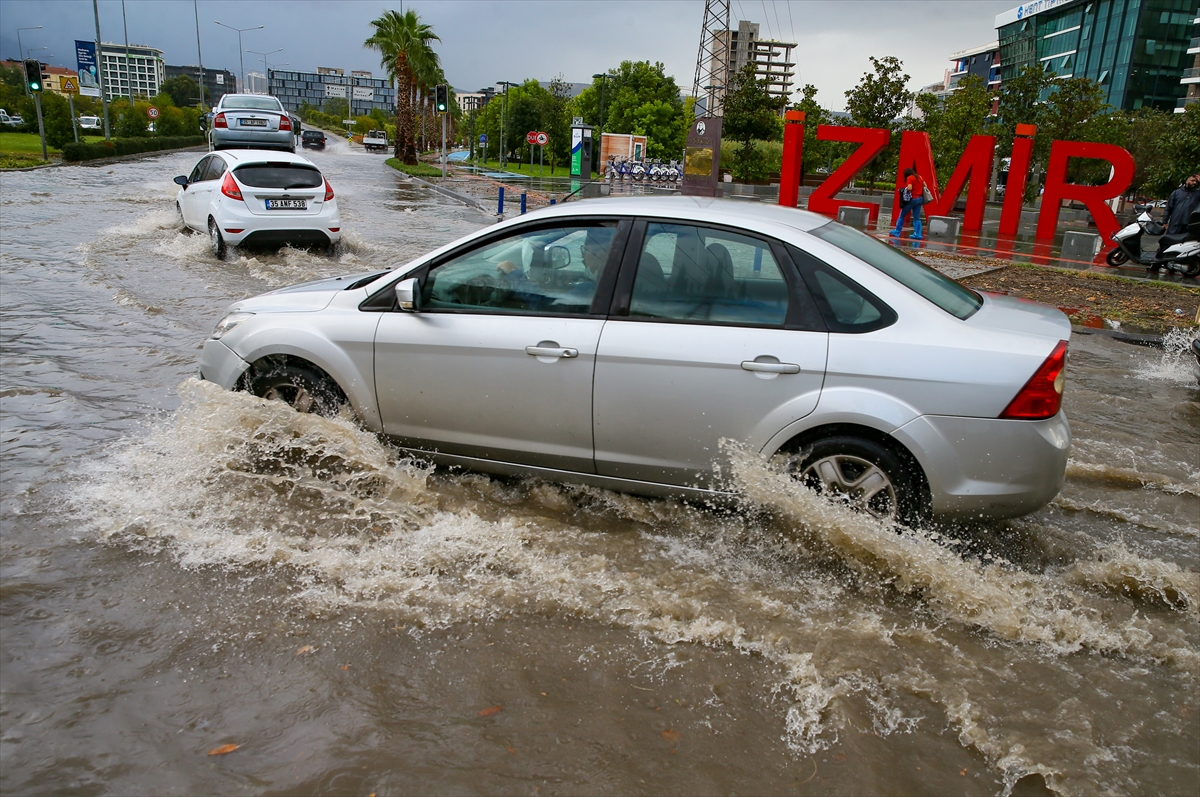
541	139
152	112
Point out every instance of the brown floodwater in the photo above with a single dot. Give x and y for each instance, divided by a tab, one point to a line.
183	568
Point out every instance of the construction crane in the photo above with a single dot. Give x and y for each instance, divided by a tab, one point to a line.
712	61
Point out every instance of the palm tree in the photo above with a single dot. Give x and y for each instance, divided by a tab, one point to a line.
405	53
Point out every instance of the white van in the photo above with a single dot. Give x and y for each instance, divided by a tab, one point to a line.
89	122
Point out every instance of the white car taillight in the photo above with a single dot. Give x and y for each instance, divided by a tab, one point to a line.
229	187
1042	395
328	191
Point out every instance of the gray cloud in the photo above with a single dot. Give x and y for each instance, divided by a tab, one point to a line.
486	40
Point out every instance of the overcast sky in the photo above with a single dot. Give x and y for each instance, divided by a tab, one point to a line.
483	41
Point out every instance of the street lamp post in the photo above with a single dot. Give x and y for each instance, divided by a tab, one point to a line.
21	50
264	59
241	58
603	77
503	121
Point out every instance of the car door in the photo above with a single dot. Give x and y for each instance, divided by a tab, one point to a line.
188	205
207	188
718	340
498	361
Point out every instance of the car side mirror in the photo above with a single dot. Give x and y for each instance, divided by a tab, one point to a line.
408	295
181	180
560	256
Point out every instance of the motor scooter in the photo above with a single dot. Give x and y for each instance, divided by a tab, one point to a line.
1181	253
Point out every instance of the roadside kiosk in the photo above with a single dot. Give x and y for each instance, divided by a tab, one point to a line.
581	149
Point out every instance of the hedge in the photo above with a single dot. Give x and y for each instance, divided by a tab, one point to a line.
73	152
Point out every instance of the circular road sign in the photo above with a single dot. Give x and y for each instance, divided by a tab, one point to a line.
152	112
482	138
531	137
541	139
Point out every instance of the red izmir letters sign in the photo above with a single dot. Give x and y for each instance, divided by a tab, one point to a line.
972	173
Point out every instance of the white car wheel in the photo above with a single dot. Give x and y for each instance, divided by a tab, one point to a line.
217	242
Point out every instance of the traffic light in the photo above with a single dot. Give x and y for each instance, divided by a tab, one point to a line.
33	74
441	97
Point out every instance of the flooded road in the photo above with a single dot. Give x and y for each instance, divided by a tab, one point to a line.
183	568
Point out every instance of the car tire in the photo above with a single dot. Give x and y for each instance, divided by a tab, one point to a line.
180	224
216	240
863	474
1116	257
303	389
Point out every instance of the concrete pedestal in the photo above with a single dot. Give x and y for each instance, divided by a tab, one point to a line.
1081	246
854	217
945	227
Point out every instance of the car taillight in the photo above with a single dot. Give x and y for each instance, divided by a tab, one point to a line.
230	188
328	191
219	121
285	123
1042	395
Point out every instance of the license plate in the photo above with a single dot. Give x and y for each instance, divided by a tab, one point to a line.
253	122
286	204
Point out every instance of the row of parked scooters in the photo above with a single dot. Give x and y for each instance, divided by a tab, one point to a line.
621	169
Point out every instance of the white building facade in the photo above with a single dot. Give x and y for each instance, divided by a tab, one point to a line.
140	72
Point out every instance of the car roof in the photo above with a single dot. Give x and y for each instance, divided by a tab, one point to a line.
736	212
242	157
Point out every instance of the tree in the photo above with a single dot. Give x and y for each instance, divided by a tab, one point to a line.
403	42
815	151
1177	151
639	98
751	114
877	101
182	90
951	124
337	106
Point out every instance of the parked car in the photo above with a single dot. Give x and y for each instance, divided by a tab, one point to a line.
313	138
12	121
89	122
622	342
254	121
258	198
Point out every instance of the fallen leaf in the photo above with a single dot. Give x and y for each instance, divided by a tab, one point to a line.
670	735
223	749
344	667
963	772
511	749
487	712
304	651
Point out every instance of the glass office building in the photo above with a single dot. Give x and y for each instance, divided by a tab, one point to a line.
1135	49
360	89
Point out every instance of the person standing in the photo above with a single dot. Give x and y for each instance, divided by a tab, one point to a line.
912	197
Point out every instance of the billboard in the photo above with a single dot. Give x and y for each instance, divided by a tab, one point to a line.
85	63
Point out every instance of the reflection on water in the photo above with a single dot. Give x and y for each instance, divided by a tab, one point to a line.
185	568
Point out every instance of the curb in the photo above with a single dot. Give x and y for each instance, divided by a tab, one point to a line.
106	161
1148	340
466	200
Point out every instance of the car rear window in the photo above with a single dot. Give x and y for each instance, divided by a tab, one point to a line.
909	272
250	104
279	175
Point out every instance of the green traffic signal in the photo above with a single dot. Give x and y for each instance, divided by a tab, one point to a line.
441	97
33	74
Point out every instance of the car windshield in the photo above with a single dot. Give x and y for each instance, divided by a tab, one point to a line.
279	175
239	103
909	272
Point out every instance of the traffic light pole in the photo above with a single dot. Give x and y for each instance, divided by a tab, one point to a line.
443	146
37	103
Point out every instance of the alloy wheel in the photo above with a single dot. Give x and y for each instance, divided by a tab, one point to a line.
858	483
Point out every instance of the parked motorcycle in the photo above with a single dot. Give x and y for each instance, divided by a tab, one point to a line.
1182	250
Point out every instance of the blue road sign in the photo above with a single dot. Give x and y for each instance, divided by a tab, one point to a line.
482	138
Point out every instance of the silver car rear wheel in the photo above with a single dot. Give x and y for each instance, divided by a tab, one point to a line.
861	485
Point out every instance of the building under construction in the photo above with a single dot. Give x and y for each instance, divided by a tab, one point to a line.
733	49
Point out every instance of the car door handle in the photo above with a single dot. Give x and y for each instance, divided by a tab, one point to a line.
771	368
551	351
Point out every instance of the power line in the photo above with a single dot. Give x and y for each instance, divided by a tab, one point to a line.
767	19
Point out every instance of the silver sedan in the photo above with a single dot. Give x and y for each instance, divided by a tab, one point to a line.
622	342
253	121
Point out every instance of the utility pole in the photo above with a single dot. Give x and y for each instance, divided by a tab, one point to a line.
503	121
128	78
199	55
100	70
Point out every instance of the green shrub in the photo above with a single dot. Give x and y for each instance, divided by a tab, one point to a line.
73	153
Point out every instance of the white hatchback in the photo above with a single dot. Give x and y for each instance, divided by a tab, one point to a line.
258	198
